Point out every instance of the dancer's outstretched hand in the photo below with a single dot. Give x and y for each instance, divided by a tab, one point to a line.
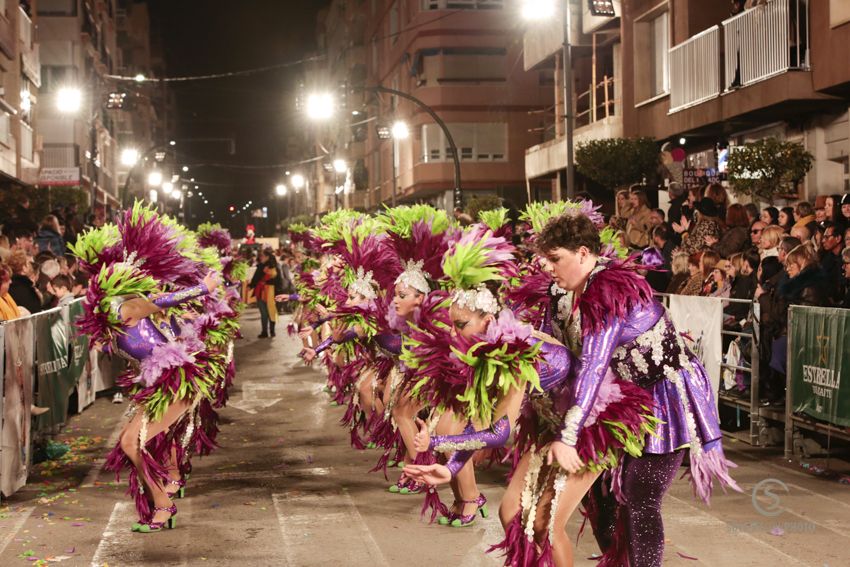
212	280
566	456
422	441
429	474
308	354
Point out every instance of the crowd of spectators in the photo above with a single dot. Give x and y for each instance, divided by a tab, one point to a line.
36	270
775	257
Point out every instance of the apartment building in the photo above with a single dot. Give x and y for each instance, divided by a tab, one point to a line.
692	74
19	84
460	58
78	50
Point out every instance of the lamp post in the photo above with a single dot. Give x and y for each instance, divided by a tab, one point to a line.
539	10
321	107
280	191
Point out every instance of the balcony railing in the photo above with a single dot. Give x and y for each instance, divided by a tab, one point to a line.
695	70
26	142
596	104
765	41
25	28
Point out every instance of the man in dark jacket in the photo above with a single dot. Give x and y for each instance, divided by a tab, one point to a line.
830	260
21	287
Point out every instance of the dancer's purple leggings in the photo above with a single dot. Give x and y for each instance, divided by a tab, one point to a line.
645	481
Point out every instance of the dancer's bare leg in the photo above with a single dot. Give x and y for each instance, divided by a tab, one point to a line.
572	493
130	445
511	501
404	412
366	394
463	484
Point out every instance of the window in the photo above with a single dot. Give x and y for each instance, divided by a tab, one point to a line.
458	65
57	7
55	76
652	44
5	127
475	141
462	4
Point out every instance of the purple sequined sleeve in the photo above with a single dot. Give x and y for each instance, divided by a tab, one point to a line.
347	336
176	298
595	359
465	444
555	366
389	342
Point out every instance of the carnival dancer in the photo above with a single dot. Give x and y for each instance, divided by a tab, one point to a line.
127	313
420	236
617	326
501	360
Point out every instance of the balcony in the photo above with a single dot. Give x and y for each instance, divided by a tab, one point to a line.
758	44
26	143
30	58
765	41
695	70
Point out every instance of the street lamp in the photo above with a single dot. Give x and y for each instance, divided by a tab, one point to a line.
185	169
399	130
129	157
340	166
536	10
320	106
298	181
155	178
153	196
280	189
69	100
167	188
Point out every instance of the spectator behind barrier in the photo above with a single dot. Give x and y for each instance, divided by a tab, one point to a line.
8	308
21	288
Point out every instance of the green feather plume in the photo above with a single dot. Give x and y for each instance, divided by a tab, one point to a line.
466	265
91	243
400	220
494	219
611	237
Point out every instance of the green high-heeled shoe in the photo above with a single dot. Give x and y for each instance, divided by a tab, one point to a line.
152	527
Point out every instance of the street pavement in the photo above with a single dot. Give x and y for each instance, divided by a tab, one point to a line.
285	489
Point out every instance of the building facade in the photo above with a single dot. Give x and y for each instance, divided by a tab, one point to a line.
694	75
460	58
20	79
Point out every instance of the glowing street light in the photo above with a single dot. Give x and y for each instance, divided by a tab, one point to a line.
167	188
185	169
400	131
155	178
177	194
139	78
153	196
280	189
536	10
320	106
340	166
298	181
69	100
129	157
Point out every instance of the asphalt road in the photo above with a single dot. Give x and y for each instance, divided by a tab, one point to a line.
285	489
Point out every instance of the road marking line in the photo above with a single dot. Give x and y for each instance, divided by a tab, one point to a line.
97	464
19	523
116	534
327	522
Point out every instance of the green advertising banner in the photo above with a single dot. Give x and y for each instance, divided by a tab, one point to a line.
818	355
56	380
80	359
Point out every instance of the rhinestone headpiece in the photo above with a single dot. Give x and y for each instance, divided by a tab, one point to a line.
414	276
364	284
480	299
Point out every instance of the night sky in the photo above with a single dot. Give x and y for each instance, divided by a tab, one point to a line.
214	36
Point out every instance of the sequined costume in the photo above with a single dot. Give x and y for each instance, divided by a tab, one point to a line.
619	328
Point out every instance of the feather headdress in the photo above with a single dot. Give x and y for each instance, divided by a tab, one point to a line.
538	214
419	235
97	247
213	235
475	260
